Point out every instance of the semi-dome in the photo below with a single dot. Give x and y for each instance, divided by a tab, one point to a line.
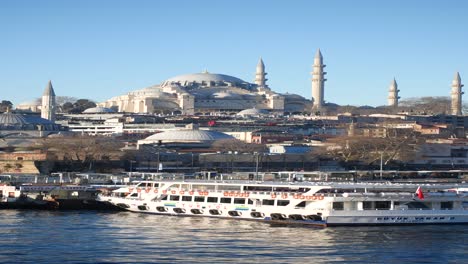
204	77
98	110
253	112
188	135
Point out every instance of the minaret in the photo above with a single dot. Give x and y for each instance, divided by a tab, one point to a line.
260	74
393	94
48	103
456	95
318	81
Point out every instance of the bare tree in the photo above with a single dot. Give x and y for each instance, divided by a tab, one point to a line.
84	150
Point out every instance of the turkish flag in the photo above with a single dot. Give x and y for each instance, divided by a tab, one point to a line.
419	193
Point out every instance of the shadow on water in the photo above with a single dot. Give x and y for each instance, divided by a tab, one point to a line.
123	237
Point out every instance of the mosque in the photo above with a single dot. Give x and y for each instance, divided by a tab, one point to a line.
205	93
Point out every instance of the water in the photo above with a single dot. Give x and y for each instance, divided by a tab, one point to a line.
124	237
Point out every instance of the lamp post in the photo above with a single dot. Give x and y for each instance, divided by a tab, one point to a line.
256	165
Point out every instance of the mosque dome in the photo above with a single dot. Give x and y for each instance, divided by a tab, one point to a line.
201	78
189	135
10	119
98	110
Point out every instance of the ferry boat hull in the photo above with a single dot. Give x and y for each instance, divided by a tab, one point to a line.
315	204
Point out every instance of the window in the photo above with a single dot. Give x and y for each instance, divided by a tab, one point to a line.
367	206
212	199
164	197
301	204
19	158
199	199
225	200
187	198
338	206
174	198
268	202
446	205
250	201
283	202
239	200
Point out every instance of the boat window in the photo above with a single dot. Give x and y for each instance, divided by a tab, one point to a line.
203	187
239	200
301	204
365	206
268	202
133	195
187	198
417	205
212	199
338	206
164	197
283	202
250	201
258	188
199	199
156	185
382	205
229	187
446	205
225	200
174	198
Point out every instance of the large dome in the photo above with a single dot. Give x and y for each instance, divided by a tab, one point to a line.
203	77
189	135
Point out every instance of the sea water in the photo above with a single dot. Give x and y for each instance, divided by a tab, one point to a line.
124	237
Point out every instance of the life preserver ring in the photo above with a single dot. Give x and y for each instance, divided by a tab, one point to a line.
273	195
164	191
321	197
284	195
155	190
191	192
148	190
181	192
138	190
173	192
226	193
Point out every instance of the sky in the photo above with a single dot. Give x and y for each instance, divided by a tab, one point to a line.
100	49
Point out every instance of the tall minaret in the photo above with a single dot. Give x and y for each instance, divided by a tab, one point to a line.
393	94
318	81
260	74
48	103
456	95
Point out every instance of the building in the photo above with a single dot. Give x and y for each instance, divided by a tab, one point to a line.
208	93
318	81
456	95
393	94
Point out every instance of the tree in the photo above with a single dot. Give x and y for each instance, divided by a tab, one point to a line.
83	150
426	105
367	150
5	105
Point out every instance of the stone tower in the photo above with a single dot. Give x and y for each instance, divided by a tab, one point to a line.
318	81
260	75
456	95
393	94
48	103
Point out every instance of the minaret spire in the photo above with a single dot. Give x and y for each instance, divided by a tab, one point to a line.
318	81
456	95
260	75
393	94
48	103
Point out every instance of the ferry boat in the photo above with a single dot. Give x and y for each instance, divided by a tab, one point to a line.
306	203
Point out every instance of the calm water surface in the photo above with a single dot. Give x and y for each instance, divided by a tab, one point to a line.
123	237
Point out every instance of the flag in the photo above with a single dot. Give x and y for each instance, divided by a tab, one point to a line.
419	193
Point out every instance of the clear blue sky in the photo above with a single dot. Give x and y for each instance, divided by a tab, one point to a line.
100	49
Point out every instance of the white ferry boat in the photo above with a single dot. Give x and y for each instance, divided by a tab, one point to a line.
309	203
